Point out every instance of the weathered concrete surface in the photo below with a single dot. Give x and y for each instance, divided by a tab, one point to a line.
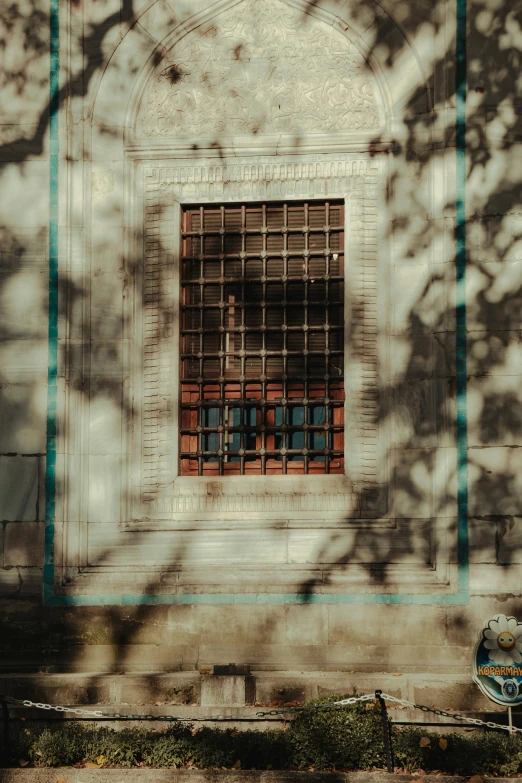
70	775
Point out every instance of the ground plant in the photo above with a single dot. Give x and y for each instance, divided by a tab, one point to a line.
318	738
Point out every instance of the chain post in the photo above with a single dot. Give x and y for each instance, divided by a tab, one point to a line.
5	756
386	731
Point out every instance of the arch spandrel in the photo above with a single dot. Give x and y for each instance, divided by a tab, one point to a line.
260	67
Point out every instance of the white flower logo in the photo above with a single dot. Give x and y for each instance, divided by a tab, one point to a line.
504	640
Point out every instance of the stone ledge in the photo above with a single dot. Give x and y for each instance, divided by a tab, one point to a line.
75	775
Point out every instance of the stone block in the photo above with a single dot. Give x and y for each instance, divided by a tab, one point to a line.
107	287
30	581
108	210
9	581
450	695
422	356
23	301
413	477
130	658
104	488
362	682
407	542
488	580
227	690
178	688
422	414
23	418
18	488
409	280
418	657
283	689
444	479
312	657
24	361
494	353
465	623
23	544
105	414
495	481
483	540
17	182
494	403
127	625
386	624
217	624
62	689
307	624
509	540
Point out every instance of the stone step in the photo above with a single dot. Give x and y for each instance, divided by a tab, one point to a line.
195	695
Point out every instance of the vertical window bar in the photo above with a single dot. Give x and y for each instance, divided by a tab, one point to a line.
262	414
327	407
306	268
222	347
201	437
284	395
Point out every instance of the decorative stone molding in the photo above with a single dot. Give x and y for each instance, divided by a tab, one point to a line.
162	494
260	67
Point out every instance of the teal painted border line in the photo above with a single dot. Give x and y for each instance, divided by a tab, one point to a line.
461	596
460	330
52	367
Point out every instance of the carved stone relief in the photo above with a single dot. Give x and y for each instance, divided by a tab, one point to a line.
262	67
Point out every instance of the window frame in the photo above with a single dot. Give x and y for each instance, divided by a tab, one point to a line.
162	187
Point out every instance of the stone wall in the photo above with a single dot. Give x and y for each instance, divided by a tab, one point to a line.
390	527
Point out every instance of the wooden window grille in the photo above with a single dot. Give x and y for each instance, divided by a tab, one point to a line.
262	339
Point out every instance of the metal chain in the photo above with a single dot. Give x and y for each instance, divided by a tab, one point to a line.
329	706
40	706
282	711
120	715
455	715
226	718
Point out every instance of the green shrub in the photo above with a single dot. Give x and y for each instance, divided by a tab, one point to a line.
339	738
59	746
459	754
343	738
263	749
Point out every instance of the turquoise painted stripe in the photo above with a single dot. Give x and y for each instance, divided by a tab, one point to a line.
460	239
461	597
451	599
52	364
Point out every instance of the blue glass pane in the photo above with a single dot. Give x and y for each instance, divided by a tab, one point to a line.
250	421
296	416
234	417
316	414
250	417
210	417
210	443
296	440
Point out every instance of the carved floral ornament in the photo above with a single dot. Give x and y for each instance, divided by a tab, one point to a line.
262	67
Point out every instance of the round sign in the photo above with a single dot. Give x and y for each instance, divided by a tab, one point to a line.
497	663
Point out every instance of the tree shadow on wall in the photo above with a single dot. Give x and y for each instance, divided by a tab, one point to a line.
417	399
